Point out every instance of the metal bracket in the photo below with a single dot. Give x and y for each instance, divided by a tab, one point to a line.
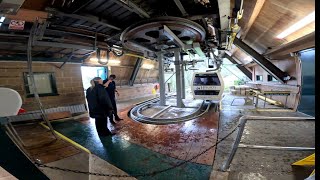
69	58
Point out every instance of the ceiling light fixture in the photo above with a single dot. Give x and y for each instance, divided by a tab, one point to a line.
248	58
111	61
300	24
2	19
148	66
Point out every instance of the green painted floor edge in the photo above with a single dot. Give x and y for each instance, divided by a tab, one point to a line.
130	157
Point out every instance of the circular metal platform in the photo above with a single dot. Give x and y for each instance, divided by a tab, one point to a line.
150	33
151	112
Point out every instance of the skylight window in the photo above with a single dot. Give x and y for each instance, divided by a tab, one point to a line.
300	24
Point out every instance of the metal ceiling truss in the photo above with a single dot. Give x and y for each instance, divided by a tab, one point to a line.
88	19
181	8
92	31
262	61
239	66
135	71
132	7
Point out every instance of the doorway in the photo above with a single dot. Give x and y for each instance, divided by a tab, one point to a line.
88	73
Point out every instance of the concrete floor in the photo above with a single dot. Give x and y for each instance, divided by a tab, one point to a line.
248	164
139	148
257	164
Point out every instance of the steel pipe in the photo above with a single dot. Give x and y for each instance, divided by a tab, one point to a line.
33	86
276	147
160	112
161	81
178	78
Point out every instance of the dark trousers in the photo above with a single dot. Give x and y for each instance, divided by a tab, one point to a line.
115	113
102	125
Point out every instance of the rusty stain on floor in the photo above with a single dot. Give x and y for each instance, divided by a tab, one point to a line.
182	140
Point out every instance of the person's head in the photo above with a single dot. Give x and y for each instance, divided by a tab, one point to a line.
112	77
94	81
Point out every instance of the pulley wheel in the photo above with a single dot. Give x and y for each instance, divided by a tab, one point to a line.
150	34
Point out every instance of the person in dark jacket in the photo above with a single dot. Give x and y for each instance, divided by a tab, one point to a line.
100	106
112	90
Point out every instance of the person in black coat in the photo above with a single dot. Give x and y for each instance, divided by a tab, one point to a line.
100	106
111	89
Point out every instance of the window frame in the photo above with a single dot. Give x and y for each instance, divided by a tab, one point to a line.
52	82
272	78
259	76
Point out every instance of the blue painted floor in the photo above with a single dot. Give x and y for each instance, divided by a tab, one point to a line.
131	158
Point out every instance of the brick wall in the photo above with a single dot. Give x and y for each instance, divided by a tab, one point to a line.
68	81
133	92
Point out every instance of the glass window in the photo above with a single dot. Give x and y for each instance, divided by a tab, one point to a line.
271	78
206	79
45	84
258	77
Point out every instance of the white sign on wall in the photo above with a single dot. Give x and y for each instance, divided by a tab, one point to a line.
16	25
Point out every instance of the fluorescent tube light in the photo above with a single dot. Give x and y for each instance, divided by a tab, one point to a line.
147	66
300	24
2	19
111	61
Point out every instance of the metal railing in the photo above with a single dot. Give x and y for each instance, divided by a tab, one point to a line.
243	120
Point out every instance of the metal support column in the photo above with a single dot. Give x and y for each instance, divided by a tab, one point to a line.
183	85
177	63
161	81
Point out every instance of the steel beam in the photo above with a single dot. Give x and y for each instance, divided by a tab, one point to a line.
67	59
262	61
161	81
140	46
132	7
173	37
62	45
92	20
82	6
181	8
183	85
135	71
201	16
239	66
197	48
177	63
287	148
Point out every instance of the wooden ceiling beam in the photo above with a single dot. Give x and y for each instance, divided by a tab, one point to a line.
254	15
302	43
28	15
